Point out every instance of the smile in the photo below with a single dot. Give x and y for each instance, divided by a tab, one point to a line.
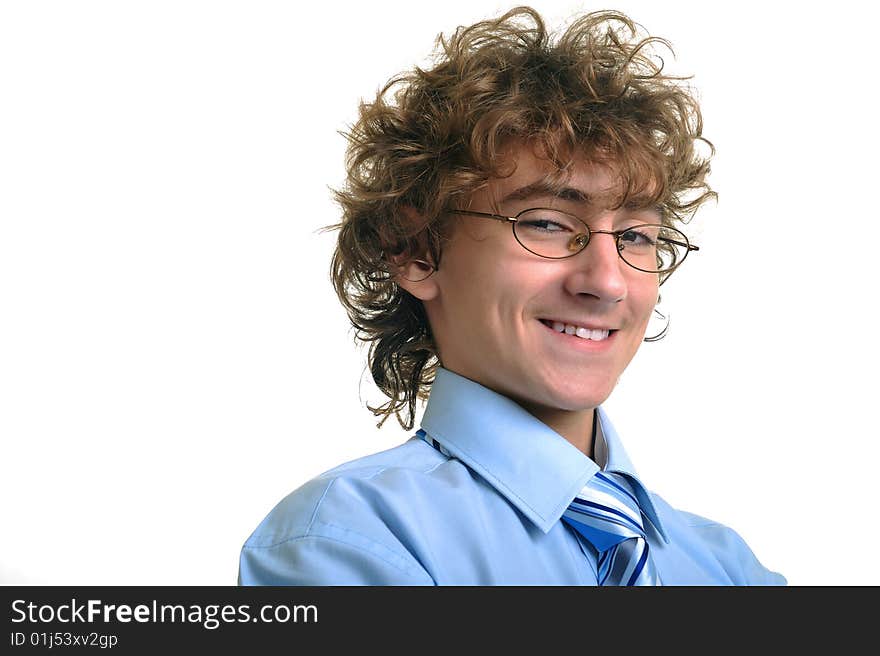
592	334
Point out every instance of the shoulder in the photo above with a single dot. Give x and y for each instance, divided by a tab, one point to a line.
725	544
349	524
342	494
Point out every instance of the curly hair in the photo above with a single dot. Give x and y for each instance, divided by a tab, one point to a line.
434	136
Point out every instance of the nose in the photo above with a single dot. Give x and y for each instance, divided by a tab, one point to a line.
598	270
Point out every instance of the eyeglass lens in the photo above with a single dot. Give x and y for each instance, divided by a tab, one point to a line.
555	234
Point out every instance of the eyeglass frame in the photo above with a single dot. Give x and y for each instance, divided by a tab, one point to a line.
512	220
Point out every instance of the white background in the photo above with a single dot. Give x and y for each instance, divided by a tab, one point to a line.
173	360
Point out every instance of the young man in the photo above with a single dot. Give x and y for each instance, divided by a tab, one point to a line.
509	217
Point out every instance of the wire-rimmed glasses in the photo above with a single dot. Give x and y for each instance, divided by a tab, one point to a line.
553	234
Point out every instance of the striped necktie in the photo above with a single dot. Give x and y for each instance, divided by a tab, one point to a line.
607	514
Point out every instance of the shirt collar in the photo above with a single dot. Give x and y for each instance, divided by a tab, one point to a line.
532	466
611	457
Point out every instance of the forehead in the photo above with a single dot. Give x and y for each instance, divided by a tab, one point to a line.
584	181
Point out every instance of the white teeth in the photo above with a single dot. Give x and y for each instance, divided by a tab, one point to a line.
596	335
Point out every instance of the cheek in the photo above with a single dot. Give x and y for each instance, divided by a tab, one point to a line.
644	300
647	312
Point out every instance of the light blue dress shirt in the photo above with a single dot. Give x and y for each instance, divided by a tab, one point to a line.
475	498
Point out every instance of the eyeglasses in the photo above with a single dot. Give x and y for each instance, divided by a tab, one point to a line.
553	234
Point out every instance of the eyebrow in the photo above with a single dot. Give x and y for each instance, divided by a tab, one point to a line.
544	188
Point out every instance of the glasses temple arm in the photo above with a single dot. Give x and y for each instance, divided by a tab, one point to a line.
497	217
690	247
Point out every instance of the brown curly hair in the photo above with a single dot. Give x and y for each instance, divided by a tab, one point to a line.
433	137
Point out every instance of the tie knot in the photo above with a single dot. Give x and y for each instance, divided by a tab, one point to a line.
606	509
617	492
607	514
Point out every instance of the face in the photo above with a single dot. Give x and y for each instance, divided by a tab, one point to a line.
492	304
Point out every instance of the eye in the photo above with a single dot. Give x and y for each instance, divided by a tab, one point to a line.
639	237
543	225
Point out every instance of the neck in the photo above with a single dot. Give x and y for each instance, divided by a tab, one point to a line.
576	426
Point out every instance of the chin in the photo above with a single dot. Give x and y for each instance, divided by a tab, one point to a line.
583	403
582	397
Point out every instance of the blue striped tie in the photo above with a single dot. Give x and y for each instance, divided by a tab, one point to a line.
607	514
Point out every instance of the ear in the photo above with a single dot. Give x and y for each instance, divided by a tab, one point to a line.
417	277
416	271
